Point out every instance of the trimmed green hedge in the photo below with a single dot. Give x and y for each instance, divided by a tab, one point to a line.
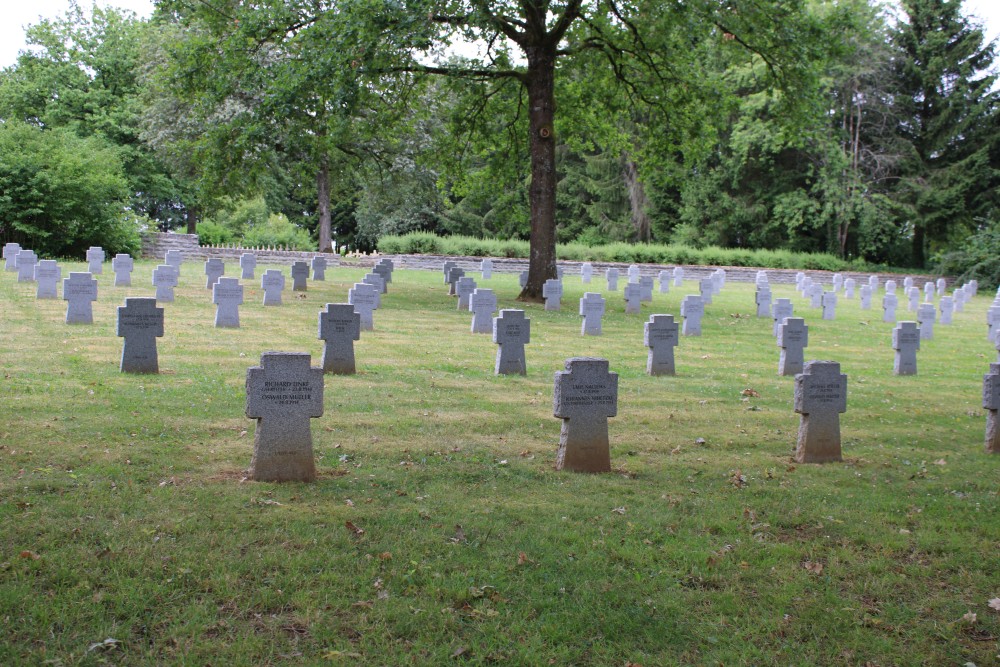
425	243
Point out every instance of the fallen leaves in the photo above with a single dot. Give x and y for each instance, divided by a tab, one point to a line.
459	535
994	604
738	479
750	392
31	555
969	617
619	510
522	558
349	525
107	645
813	567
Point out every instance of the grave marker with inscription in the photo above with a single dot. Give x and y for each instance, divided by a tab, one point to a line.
633	298
781	309
95	260
633	273
913	296
829	302
482	303
592	307
646	288
612	277
79	292
692	310
10	251
376	281
174	258
25	263
660	335
849	288
586	273
820	397
511	332
906	342
140	323
215	268
941	285
866	297
584	396
454	273
339	327
763	298
522	279
815	295
300	276
318	265
364	298
165	280
706	286
552	290
664	278
445	268
925	316
248	265
122	265
890	287
273	284
464	288
991	402
678	276
227	295
486	268
889	304
946	306
47	276
928	291
793	338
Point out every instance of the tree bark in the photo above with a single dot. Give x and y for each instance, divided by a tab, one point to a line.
638	200
540	82
323	194
191	218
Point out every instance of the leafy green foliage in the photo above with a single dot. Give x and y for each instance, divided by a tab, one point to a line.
60	193
278	232
978	257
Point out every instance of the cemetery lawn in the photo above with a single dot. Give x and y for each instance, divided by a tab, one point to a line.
438	531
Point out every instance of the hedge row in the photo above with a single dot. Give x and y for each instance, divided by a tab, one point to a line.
425	243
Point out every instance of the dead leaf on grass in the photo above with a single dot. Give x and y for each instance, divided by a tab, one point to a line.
30	555
619	510
749	391
459	534
994	604
522	558
969	617
354	529
813	567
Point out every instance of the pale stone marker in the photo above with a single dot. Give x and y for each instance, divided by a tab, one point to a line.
79	292
283	394
996	344
522	279
974	285
947	307
248	265
941	285
646	288
660	335
793	338
799	279
10	251
174	258
486	268
664	278
706	286
829	302
227	295
445	268
215	268
464	288
907	283
849	288
611	275
25	263
318	265
552	290
763	298
140	323
584	396
633	273
376	281
906	342
866	297
482	303
47	276
925	316
95	260
678	276
273	284
890	287
384	268
820	397
633	298
511	332
838	282
815	295
339	327
873	283
364	297
889	305
913	295
165	280
122	265
992	318
300	276
928	291
959	296
454	273
991	402
592	307
586	272
559	272
761	278
781	309
692	310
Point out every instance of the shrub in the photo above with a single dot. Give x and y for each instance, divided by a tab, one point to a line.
278	231
212	233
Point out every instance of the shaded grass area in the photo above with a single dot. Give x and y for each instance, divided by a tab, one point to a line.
438	530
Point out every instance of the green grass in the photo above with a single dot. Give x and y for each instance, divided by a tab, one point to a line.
124	512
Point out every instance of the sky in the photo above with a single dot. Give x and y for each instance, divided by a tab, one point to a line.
15	15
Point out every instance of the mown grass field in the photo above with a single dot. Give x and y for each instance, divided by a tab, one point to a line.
438	531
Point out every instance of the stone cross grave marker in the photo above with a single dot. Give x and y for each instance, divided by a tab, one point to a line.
838	282
718	280
95	258
928	291
781	309
633	298
592	307
633	273
364	298
273	284
925	316
375	280
866	297
383	269
799	279
763	299
678	276
660	335
318	265
47	276
79	292
664	278
165	280
482	303
805	287
454	273
913	295
793	338
227	295
122	265
584	396
445	268
283	394
906	342
586	272
646	288
174	258
941	285
25	263
10	251
991	402
992	319
947	306
974	285
140	323
339	327
706	287
873	283
464	288
816	295
486	268
761	278
820	397
889	304
829	302
552	290
300	276
248	265
907	283
849	288
511	332
215	268
692	310
522	279
611	275
890	287
959	297
559	272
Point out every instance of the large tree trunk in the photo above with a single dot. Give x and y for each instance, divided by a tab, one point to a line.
323	193
638	201
540	81
191	218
